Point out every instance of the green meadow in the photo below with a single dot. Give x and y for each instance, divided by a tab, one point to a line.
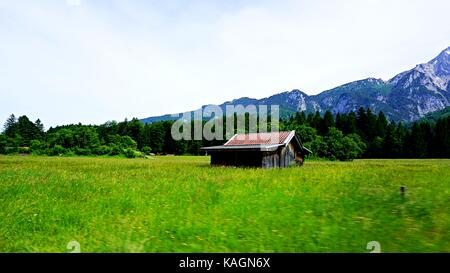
181	204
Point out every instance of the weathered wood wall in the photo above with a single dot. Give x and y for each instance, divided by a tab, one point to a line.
283	157
270	160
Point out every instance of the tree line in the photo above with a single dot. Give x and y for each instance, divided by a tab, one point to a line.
338	137
368	135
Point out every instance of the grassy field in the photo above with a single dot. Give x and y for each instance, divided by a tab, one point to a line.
181	204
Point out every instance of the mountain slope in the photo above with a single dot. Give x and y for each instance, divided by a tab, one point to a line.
369	93
408	96
423	89
434	116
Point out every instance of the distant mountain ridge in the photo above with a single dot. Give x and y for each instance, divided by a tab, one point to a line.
408	96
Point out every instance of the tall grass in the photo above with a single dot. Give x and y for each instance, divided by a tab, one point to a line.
181	204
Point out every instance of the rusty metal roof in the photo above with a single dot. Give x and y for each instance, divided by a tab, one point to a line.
259	138
263	142
262	148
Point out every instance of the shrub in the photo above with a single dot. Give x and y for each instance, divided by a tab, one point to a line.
23	150
146	150
37	147
63	137
82	151
349	149
86	138
11	150
123	142
115	150
130	153
336	146
319	147
56	150
102	150
3	143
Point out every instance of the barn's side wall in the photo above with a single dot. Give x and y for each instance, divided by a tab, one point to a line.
270	160
289	155
282	157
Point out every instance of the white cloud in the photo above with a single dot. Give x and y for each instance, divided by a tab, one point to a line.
108	60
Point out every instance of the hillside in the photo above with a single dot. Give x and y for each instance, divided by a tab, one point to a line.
434	116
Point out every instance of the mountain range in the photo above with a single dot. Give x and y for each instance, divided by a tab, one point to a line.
408	96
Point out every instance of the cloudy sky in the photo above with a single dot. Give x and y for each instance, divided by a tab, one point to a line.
89	61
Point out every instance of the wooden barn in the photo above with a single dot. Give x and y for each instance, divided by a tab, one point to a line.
266	150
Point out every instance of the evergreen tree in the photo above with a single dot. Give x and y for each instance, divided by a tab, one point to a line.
382	124
351	127
135	129
371	127
3	143
402	134
418	140
441	141
300	118
107	129
122	127
27	130
154	136
326	123
10	127
346	123
362	123
392	147
344	137
310	120
339	122
316	120
39	126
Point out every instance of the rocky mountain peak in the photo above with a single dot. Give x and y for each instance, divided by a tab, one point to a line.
441	64
406	97
434	75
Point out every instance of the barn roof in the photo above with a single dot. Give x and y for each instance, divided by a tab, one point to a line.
262	148
259	138
258	142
